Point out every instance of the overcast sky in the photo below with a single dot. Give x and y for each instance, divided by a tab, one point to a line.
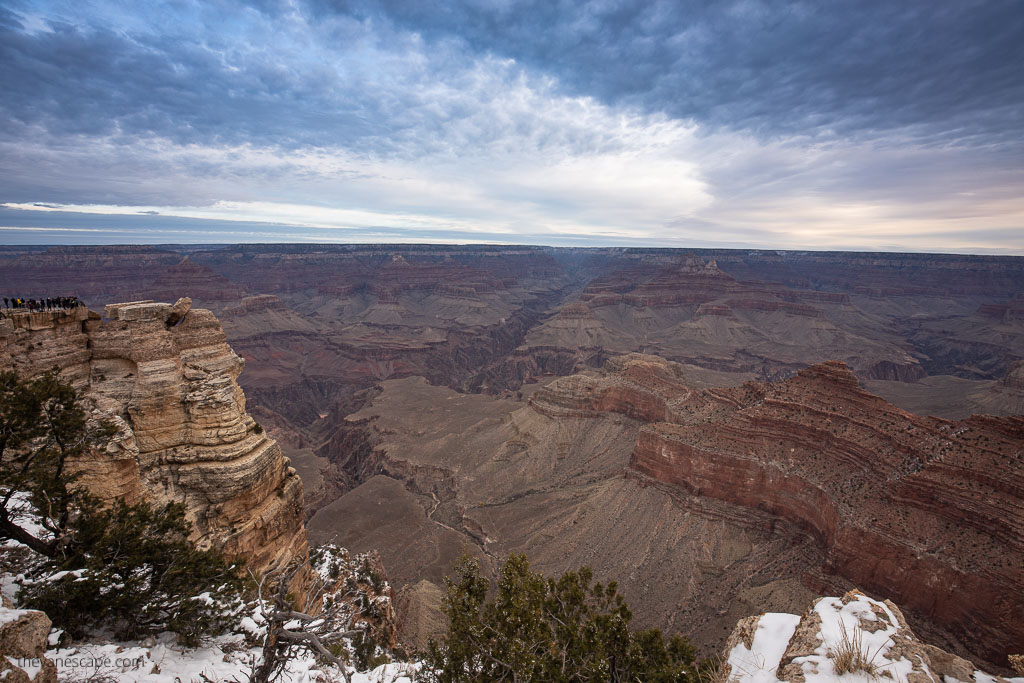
891	124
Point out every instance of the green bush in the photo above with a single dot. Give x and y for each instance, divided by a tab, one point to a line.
127	568
135	572
543	629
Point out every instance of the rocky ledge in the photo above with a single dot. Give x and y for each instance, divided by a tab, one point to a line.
165	376
926	511
848	638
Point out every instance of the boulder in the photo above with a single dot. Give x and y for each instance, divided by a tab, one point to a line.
178	311
23	641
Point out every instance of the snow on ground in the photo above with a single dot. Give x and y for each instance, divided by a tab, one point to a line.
223	659
23	513
8	615
841	623
760	662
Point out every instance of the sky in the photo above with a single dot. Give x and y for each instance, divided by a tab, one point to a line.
894	125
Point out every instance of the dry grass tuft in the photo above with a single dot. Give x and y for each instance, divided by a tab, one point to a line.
849	655
714	669
1017	663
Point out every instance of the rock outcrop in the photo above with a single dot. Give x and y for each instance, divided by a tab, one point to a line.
178	311
689	310
23	643
183	432
852	636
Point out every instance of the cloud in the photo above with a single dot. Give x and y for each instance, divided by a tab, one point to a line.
739	122
947	69
366	75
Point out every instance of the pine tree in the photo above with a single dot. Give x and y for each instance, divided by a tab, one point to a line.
542	629
128	568
42	426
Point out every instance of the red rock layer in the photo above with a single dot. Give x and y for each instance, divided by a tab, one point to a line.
379	269
690	281
925	511
1008	312
879	275
95	274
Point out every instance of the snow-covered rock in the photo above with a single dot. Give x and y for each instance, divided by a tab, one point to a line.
853	639
23	640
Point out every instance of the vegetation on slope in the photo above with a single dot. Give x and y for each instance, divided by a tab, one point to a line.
128	568
544	629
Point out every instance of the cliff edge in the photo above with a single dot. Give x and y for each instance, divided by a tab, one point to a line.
165	376
924	510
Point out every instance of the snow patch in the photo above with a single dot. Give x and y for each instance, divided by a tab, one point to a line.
760	662
31	666
840	625
8	615
224	658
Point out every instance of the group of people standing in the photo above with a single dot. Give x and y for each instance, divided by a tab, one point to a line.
49	303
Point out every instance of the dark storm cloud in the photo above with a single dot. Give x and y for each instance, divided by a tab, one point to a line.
951	68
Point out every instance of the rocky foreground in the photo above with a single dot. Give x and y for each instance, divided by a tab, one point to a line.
848	638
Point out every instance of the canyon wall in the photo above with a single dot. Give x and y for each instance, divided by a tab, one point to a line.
321	322
928	512
183	431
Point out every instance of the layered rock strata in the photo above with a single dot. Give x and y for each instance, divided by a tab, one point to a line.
183	432
678	306
927	511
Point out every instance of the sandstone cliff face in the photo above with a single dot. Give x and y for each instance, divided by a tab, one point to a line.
184	434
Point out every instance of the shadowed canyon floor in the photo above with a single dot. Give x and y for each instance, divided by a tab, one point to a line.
414	390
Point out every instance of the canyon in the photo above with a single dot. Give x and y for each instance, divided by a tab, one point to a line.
723	432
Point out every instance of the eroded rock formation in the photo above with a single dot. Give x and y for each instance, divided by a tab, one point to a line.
685	308
897	501
183	432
